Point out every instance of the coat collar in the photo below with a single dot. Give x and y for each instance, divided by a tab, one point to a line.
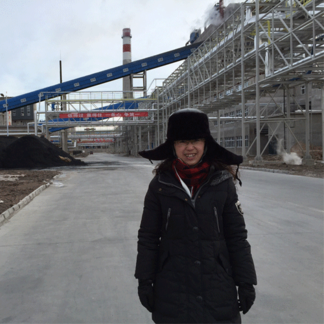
174	188
214	178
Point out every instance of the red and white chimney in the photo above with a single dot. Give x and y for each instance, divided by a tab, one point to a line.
127	53
127	58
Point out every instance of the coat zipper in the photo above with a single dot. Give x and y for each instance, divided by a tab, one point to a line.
168	216
172	185
217	221
196	195
193	201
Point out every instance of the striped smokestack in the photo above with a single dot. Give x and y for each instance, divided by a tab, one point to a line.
127	58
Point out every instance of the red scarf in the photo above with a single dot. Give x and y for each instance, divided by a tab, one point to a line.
192	177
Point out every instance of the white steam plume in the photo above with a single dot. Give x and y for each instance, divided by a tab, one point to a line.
213	16
288	158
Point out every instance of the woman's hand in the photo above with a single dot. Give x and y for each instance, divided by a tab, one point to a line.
246	294
145	293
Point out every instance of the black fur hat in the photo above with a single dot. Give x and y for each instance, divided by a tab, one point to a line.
188	124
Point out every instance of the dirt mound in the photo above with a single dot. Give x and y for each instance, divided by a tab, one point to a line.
33	152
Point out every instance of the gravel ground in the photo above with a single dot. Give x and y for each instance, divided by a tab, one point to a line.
316	170
17	184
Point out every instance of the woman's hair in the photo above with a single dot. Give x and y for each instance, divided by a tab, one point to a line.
166	165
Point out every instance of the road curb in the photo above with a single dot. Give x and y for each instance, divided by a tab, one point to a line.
265	170
10	211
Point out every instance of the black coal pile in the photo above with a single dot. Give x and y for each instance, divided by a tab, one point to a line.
32	152
5	141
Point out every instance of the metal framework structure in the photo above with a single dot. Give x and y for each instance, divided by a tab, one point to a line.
94	108
263	47
110	108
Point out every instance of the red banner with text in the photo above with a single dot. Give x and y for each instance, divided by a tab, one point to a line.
104	114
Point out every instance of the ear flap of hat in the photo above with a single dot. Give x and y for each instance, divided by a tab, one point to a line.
214	150
160	153
222	154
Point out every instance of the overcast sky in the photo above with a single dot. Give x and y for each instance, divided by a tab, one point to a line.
86	36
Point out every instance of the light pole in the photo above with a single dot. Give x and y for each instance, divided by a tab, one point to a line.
7	114
2	95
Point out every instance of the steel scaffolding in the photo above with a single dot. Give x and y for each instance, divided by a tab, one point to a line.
263	47
109	108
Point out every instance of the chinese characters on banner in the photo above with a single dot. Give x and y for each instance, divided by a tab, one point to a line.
104	115
96	140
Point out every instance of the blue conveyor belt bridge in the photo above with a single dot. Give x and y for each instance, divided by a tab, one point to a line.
99	77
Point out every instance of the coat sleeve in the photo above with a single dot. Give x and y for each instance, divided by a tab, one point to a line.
236	239
149	237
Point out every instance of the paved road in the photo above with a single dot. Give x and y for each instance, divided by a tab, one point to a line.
284	215
69	256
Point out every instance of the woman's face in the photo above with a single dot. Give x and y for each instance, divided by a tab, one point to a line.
190	152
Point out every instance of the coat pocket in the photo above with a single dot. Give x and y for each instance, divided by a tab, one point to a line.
217	220
167	219
163	258
225	264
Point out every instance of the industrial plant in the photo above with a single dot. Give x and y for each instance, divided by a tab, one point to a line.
256	68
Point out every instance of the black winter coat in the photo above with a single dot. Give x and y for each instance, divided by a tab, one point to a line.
194	250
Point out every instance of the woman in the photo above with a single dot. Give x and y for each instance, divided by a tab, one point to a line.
192	247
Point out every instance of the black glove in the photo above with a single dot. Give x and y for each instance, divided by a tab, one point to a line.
246	294
145	293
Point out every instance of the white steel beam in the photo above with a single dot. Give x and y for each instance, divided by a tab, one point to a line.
322	104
